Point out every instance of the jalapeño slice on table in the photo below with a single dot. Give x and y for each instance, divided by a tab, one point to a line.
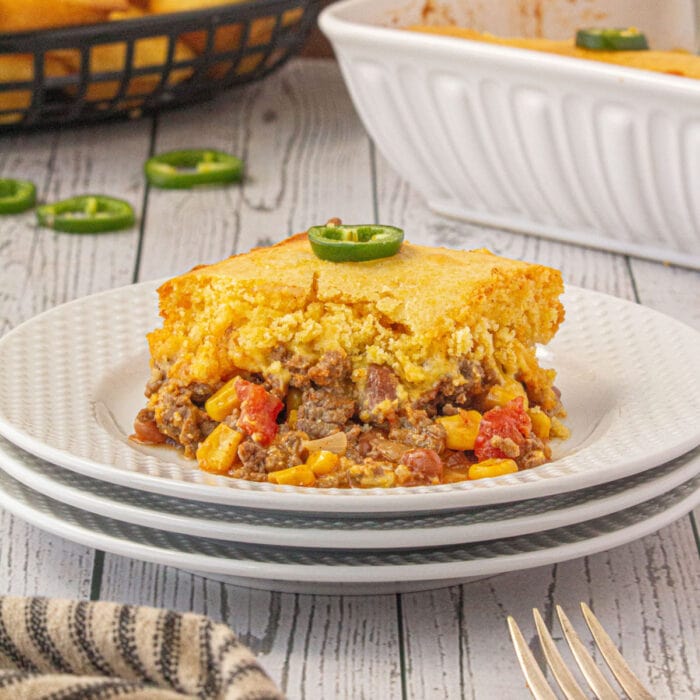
192	167
91	213
341	243
630	39
16	196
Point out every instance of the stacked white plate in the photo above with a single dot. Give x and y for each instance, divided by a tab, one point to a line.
72	381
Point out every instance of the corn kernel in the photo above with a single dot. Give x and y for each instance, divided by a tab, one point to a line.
364	478
323	462
301	475
541	423
219	451
501	394
559	430
403	474
492	467
452	476
293	400
220	404
461	429
383	481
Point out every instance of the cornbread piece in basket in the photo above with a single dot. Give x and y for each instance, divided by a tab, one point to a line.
418	368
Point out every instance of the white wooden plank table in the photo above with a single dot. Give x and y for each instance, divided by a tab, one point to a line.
308	159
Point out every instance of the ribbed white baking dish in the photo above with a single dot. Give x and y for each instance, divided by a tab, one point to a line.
574	150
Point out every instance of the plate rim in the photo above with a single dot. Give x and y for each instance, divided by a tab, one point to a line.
324	573
435	535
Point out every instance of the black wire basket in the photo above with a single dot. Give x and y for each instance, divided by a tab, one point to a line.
137	66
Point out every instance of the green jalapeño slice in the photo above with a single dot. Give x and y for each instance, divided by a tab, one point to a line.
90	213
189	168
611	39
16	196
340	243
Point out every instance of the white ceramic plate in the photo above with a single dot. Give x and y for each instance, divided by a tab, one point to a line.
262	527
346	572
72	381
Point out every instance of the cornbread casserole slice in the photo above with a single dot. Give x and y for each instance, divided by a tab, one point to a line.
414	369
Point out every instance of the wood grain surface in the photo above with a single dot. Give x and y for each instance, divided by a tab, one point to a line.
308	158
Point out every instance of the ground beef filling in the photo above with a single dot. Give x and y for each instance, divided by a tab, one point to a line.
324	411
380	432
179	419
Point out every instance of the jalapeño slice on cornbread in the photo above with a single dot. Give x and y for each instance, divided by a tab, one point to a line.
418	368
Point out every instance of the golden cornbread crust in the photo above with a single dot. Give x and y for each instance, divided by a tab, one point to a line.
425	318
418	311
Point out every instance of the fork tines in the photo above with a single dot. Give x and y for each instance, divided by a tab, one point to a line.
536	680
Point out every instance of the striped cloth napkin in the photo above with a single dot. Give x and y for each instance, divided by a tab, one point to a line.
65	649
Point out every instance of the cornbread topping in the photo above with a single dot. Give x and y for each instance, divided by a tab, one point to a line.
417	368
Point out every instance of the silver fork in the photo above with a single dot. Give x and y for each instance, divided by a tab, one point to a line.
540	688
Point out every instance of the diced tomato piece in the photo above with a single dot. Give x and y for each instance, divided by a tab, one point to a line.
424	464
259	411
507	422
